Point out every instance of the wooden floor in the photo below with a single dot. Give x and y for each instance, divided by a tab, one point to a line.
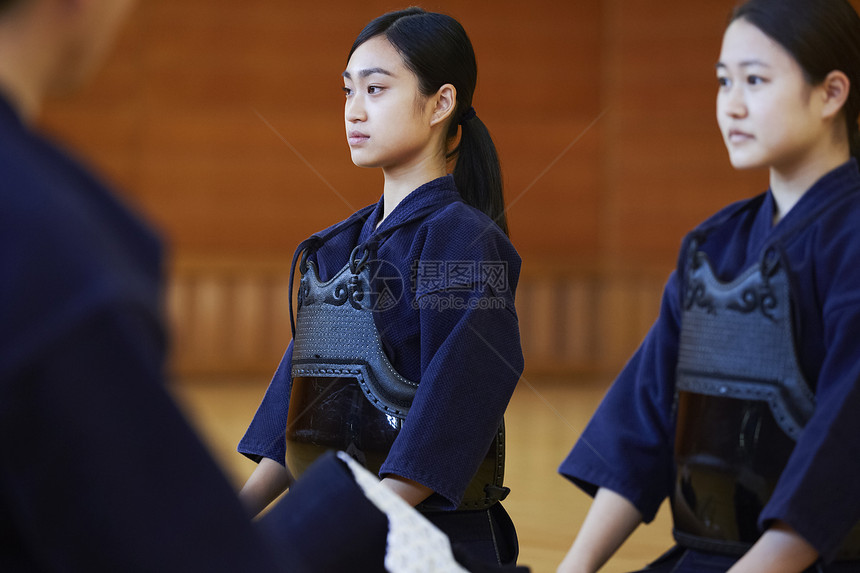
543	421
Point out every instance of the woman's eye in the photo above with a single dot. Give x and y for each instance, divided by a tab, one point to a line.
723	81
755	80
347	91
373	89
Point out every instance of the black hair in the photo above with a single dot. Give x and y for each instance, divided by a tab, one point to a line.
822	36
437	50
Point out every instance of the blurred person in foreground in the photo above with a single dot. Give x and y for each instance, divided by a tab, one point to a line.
98	469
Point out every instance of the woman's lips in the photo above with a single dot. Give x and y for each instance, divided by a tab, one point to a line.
738	136
356	137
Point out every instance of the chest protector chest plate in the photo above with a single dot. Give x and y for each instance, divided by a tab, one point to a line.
346	395
742	403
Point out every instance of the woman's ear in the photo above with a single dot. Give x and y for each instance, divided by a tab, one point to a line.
836	87
445	100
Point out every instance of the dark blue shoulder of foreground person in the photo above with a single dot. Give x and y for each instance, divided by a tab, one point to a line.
98	469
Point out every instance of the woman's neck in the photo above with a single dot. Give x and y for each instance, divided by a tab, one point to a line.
400	182
789	184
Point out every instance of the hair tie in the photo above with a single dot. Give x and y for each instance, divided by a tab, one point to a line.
467	115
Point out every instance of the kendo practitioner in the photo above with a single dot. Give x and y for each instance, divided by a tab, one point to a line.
406	347
741	405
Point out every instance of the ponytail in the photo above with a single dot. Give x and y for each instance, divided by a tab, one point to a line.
436	48
477	173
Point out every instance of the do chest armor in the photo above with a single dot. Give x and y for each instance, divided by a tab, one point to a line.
346	394
742	403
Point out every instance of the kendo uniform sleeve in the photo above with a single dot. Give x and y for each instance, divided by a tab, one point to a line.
627	446
471	357
264	437
817	493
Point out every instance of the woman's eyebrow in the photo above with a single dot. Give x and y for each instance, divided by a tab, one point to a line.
744	64
369	72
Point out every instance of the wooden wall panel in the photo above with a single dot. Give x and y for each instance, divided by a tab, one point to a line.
669	169
224	123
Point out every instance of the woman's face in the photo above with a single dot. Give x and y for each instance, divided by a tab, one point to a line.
769	115
388	121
